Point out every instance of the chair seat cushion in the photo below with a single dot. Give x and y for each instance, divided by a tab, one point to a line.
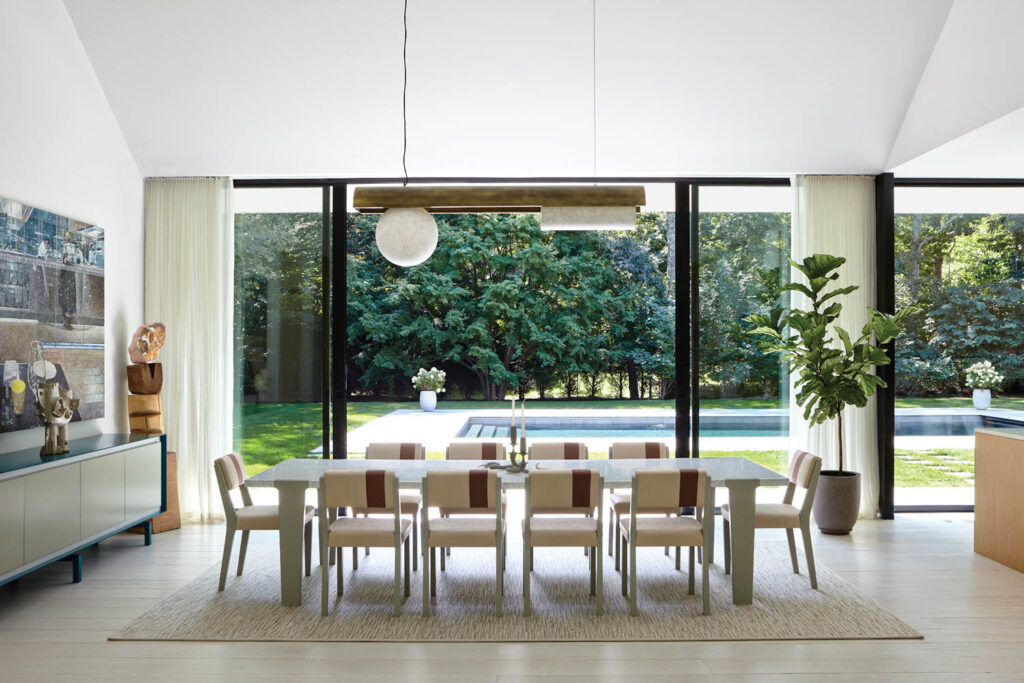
476	511
263	517
771	516
409	502
365	532
665	531
462	532
562	531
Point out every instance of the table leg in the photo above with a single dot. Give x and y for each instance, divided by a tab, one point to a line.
291	503
741	513
709	556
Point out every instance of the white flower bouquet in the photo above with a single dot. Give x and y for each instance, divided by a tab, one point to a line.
983	376
429	380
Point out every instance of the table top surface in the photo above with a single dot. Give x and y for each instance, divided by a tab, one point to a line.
617	473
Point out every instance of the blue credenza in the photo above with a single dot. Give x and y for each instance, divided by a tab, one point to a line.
54	506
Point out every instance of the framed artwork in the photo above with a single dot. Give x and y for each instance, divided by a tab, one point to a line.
51	312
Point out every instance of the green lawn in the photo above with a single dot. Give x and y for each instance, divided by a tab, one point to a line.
271	432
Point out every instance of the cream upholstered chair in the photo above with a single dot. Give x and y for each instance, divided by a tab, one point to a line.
804	469
475	450
573	495
476	490
410	500
372	489
618	501
558	450
230	473
666	491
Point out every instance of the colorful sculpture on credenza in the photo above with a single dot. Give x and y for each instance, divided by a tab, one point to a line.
145	379
55	406
145	411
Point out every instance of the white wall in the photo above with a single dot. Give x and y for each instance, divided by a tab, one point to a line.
61	150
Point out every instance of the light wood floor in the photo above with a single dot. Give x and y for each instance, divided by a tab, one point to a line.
922	568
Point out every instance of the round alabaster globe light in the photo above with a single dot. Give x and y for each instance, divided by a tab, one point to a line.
406	237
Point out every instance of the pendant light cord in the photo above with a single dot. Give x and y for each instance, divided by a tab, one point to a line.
405	87
593	71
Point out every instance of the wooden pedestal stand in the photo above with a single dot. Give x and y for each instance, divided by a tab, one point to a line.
145	416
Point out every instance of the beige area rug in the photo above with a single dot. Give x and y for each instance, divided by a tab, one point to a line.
785	607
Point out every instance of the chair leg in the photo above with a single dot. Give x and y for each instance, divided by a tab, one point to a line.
705	588
678	555
330	556
611	533
527	606
367	549
397	590
229	539
308	542
618	544
633	611
624	569
689	580
325	580
443	552
355	558
427	578
241	551
407	563
433	572
415	543
727	541
666	547
806	530
499	577
791	537
531	559
593	571
699	512
341	573
599	572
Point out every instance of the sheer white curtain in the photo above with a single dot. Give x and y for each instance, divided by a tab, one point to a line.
189	285
836	215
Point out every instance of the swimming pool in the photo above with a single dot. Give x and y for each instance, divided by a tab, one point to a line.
711	426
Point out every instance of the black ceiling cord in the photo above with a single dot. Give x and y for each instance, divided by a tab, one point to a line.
405	86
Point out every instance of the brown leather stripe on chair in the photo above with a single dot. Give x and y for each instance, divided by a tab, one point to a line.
376	496
652	450
488	451
478	488
581	488
689	480
571	451
407	451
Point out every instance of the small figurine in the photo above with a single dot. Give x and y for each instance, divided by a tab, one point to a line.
146	343
55	406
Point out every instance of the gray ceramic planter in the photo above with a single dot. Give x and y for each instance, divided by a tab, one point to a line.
837	502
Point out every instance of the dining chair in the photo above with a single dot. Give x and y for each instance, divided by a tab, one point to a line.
804	469
475	450
230	473
478	490
573	495
410	501
558	450
666	492
619	500
371	489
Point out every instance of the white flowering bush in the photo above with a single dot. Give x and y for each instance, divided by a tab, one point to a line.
983	376
429	380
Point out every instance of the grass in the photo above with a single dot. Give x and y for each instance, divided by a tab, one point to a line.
271	432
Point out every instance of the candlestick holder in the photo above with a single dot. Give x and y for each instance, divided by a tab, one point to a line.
517	459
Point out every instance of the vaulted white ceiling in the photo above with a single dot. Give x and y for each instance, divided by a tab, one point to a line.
314	87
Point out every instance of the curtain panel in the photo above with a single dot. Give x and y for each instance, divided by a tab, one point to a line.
189	288
836	215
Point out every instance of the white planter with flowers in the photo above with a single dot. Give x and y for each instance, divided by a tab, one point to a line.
983	378
430	383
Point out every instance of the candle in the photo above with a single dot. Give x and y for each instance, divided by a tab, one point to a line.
512	427
522	419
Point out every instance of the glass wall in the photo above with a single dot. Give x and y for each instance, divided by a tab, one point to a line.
744	247
960	261
278	355
580	324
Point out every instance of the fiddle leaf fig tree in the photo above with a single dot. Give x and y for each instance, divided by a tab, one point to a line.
832	369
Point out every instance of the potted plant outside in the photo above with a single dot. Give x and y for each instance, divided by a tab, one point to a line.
430	383
983	378
832	371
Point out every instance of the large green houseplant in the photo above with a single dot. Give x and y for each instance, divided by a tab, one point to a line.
832	370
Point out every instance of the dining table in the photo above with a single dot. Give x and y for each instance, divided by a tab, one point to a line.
740	476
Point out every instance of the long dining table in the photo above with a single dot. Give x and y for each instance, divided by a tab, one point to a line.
292	478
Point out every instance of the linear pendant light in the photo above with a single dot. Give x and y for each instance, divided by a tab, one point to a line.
499	199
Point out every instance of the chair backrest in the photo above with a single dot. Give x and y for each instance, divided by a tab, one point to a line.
469	489
359	489
475	450
804	469
636	450
230	473
395	451
563	491
668	490
558	450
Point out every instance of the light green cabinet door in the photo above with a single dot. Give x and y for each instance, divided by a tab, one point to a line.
102	493
12	524
142	481
52	510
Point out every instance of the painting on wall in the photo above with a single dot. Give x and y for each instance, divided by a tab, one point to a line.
51	312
